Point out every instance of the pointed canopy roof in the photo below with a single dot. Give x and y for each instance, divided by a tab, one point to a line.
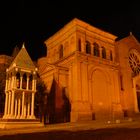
23	60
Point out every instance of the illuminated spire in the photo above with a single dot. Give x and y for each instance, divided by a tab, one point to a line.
23	45
131	33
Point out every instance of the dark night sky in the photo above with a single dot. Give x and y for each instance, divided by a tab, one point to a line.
33	21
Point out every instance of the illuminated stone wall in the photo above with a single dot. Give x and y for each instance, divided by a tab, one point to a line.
88	63
129	79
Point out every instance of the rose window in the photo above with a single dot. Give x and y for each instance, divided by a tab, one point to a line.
134	62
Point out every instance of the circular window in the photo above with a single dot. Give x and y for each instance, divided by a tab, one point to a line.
134	62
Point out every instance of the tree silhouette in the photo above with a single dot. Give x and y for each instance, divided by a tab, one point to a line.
2	88
41	100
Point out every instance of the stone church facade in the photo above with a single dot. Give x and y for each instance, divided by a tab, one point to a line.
90	75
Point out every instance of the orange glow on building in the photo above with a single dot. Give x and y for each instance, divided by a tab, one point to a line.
98	73
89	75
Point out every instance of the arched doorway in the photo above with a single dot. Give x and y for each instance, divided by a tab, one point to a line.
138	95
100	97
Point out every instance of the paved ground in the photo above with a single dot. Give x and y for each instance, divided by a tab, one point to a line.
126	130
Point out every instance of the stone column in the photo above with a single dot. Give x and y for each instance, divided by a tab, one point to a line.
13	84
21	81
19	105
27	86
16	107
9	102
23	102
7	84
12	104
25	107
12	81
6	105
32	107
33	83
29	105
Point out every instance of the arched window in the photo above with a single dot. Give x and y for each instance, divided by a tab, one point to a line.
18	80
88	47
61	51
111	56
79	45
103	52
96	49
24	81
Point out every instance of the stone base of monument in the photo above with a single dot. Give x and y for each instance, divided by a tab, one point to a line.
19	123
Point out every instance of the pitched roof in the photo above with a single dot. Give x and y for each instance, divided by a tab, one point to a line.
130	39
23	60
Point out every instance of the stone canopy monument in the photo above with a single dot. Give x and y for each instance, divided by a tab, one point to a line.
20	92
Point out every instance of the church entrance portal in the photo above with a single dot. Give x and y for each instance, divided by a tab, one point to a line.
138	95
136	92
100	98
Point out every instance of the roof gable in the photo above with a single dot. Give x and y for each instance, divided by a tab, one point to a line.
129	39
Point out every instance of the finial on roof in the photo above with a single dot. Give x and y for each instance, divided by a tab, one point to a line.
131	33
23	45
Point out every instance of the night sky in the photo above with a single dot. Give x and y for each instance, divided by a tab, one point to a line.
33	21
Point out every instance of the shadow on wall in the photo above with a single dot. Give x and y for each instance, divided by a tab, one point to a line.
58	105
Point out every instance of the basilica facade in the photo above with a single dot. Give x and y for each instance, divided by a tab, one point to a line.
90	75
